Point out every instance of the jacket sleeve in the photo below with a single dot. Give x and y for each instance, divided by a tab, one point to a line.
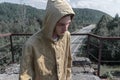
26	65
69	65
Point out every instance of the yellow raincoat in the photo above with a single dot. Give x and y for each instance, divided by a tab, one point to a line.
43	58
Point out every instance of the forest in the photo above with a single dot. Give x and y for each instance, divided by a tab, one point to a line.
15	18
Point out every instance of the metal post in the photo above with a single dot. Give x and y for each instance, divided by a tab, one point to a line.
99	57
88	45
11	45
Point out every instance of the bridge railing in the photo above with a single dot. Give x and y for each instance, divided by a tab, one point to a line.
90	45
10	45
98	46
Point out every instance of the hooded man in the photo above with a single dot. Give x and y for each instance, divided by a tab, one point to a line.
46	54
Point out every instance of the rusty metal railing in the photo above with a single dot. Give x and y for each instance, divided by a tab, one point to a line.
10	35
99	46
89	36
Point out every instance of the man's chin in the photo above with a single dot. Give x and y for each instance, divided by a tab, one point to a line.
62	33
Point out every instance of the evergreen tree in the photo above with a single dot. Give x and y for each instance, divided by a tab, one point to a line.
101	28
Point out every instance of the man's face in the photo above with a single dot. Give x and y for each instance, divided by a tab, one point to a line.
62	25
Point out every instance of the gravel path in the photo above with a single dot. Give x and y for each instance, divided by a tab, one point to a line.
9	76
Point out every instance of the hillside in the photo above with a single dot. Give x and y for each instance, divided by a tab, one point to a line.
16	18
88	16
9	11
23	15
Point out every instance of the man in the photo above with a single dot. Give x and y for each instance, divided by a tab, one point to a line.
46	55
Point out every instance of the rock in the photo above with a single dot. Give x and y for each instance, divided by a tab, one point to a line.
82	76
12	69
2	70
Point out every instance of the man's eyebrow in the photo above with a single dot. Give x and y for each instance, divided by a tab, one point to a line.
65	23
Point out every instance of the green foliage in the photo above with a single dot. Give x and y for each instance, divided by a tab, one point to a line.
112	75
107	27
114	23
101	28
22	18
16	18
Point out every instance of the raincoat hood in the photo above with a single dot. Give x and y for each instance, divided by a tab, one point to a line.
55	10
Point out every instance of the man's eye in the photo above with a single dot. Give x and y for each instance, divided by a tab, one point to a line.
61	24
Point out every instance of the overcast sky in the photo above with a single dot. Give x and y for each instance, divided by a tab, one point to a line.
109	6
